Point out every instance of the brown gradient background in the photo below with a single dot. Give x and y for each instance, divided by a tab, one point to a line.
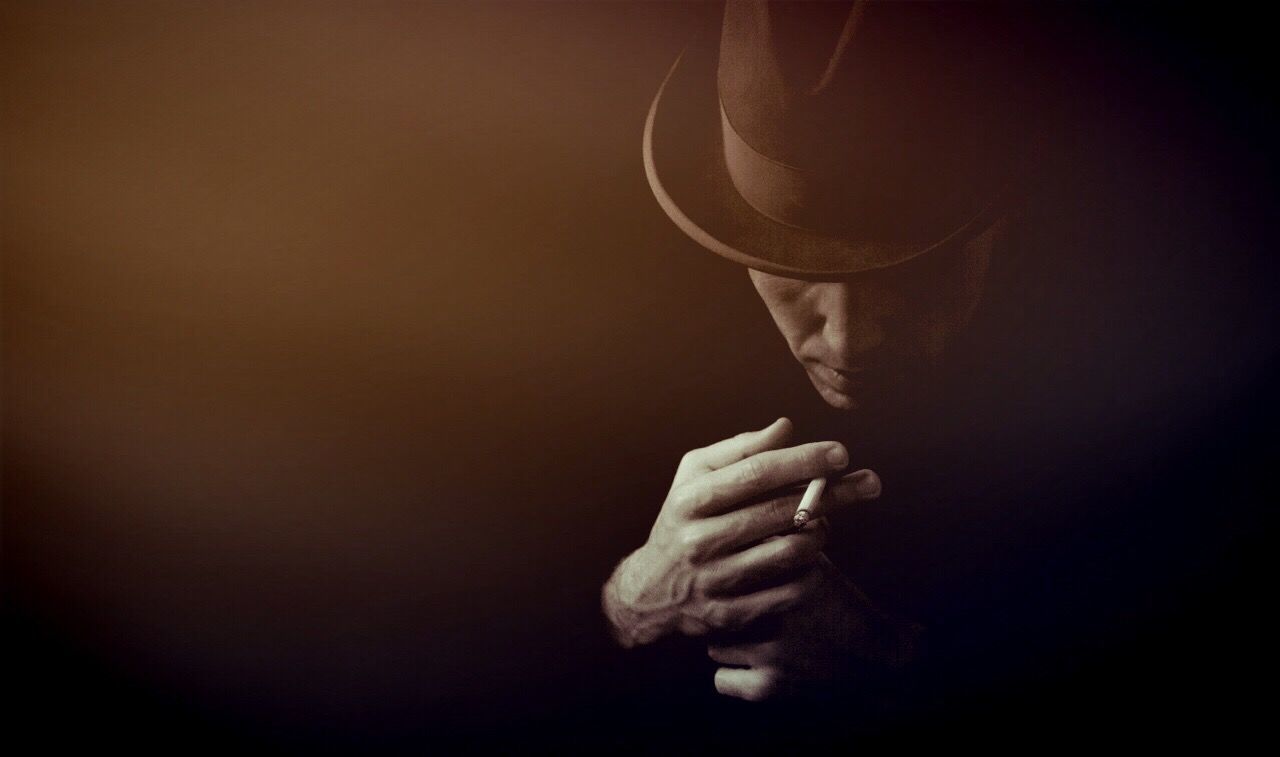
344	349
310	312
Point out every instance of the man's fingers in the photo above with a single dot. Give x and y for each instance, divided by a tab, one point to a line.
759	654
750	524
722	489
751	684
733	449
732	614
859	486
767	562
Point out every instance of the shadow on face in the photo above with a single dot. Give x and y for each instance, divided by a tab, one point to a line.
857	336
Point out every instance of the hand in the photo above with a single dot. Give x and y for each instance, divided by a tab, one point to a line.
709	564
834	636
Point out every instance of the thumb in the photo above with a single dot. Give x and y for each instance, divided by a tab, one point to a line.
859	486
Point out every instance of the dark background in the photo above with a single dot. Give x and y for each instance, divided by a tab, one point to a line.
345	351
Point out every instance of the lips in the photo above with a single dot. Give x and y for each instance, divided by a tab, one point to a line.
849	373
843	381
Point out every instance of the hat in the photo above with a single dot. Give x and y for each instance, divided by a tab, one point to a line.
825	139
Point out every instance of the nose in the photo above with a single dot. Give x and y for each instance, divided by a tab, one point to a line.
851	326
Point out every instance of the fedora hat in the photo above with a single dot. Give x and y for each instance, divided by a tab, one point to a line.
819	140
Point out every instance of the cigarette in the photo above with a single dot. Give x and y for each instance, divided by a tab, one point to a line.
809	501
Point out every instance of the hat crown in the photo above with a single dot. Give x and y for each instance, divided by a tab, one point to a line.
902	117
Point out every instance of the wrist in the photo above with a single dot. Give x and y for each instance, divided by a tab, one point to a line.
630	623
620	617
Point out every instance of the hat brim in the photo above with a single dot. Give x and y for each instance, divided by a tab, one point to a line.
685	166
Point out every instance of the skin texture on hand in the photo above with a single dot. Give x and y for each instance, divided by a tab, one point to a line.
645	612
723	551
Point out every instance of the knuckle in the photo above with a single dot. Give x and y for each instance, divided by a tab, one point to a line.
692	540
752	472
780	514
717	615
783	509
687	498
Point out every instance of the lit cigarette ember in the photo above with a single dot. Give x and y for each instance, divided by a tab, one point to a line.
809	501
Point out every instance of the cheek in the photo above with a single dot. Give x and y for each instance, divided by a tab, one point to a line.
788	306
795	324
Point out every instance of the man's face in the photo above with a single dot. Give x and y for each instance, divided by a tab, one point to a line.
858	336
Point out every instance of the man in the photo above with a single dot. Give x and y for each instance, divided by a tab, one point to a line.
893	180
864	273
